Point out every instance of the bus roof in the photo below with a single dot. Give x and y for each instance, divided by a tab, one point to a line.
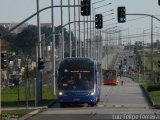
77	62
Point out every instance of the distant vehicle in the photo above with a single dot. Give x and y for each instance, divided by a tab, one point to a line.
111	77
125	61
124	69
78	81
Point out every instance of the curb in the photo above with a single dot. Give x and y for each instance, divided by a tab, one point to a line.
32	113
52	103
151	102
39	110
147	96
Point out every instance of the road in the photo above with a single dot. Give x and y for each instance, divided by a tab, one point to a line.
115	100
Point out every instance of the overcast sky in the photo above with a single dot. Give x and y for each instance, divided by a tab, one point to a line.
18	10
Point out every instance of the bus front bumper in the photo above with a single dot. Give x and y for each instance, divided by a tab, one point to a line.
77	99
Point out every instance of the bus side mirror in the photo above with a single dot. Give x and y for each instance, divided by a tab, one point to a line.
56	74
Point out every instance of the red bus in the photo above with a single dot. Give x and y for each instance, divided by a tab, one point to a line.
111	77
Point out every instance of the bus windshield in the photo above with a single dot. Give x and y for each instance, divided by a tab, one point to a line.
110	75
76	80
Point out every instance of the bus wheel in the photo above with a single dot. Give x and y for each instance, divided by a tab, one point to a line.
62	105
98	100
92	104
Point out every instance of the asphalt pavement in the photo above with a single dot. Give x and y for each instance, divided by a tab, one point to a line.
115	100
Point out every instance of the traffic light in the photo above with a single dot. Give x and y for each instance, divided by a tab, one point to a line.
85	7
158	2
3	60
40	63
121	14
159	63
99	21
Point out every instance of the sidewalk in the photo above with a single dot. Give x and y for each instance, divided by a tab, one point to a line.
16	108
36	110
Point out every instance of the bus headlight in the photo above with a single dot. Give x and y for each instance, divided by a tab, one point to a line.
92	93
60	93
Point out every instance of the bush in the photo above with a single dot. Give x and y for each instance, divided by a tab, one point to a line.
153	88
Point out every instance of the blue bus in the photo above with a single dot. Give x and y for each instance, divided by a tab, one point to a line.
78	81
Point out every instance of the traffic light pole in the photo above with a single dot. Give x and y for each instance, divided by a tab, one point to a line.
87	46
84	43
79	36
152	75
56	6
39	92
53	52
90	51
75	33
70	42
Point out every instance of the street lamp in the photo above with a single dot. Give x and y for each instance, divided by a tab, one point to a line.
144	41
94	11
106	31
92	53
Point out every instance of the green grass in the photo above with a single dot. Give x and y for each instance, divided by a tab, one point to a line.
16	113
154	95
9	96
147	60
141	77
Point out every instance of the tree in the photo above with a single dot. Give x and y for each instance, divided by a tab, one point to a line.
3	31
26	41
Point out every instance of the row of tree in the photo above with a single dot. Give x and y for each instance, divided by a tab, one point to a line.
25	42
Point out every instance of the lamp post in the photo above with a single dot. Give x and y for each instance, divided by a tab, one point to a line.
144	41
94	31
92	52
107	37
53	52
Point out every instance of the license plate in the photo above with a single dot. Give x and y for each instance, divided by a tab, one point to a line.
76	99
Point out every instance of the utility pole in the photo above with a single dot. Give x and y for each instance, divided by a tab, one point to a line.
75	33
84	44
62	30
70	42
91	38
79	26
152	72
39	79
27	81
53	51
87	46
